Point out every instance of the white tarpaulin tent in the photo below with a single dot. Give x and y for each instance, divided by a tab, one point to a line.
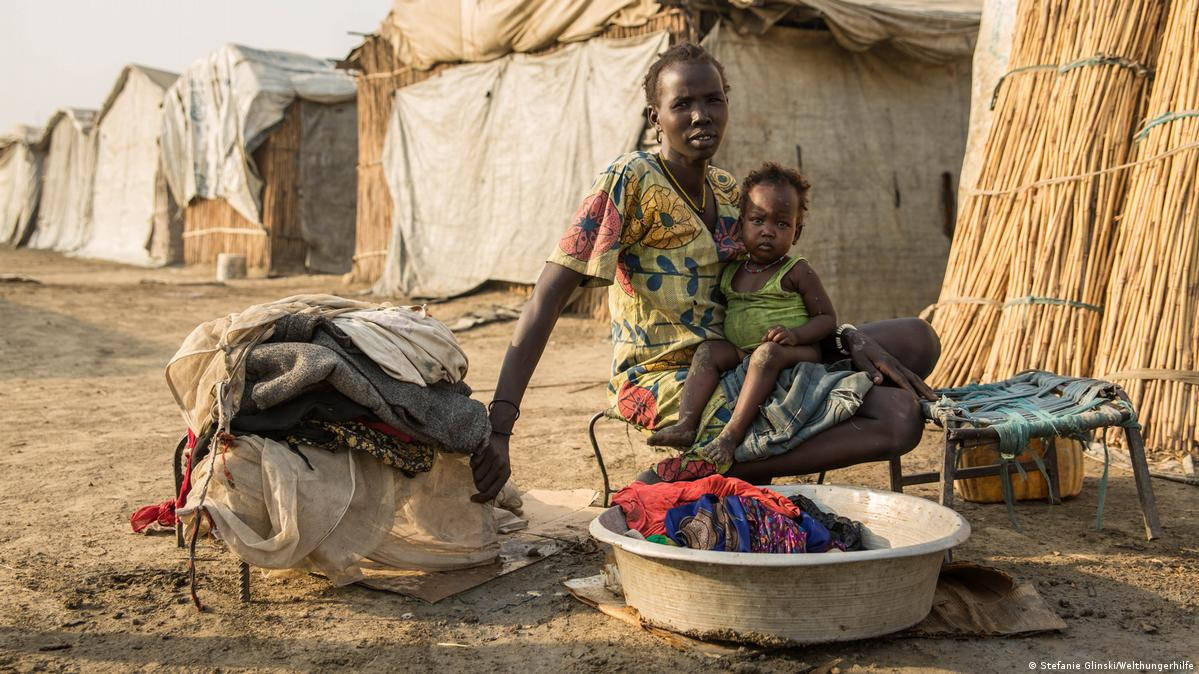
132	220
227	104
486	162
20	183
880	136
67	172
425	33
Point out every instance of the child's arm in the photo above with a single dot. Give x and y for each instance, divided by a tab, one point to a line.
822	319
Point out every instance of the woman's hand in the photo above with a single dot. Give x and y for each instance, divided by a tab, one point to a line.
490	468
870	357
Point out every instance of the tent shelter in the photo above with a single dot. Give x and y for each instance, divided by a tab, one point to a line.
872	99
133	220
879	134
67	173
260	147
404	52
20	183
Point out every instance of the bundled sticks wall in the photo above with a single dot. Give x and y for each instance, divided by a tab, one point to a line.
1030	259
1150	333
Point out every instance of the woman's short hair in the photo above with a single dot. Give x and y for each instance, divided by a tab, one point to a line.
770	173
684	52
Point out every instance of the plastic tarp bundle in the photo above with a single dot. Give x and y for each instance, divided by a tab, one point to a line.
875	133
222	107
67	173
20	183
330	511
425	33
132	218
487	162
990	63
930	30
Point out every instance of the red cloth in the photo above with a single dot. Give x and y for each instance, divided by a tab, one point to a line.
163	513
384	428
645	505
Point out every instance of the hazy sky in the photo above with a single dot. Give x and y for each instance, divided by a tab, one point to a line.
68	53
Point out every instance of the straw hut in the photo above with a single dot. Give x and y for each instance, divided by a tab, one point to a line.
260	147
20	183
67	174
872	101
133	219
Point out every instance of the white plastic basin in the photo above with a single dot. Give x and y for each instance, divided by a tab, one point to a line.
788	599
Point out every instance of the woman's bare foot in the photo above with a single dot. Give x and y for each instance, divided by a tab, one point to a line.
677	435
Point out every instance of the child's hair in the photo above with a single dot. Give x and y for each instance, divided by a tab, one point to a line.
770	173
684	52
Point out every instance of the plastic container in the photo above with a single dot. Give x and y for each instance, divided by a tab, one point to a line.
792	599
989	490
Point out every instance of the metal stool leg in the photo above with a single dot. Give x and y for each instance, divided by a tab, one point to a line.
951	460
1140	473
896	475
244	571
599	458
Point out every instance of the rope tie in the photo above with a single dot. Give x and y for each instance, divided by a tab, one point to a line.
1138	69
1163	119
1053	301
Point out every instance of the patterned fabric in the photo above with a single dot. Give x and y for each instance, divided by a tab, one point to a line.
770	531
645	505
408	457
710	523
636	234
683	468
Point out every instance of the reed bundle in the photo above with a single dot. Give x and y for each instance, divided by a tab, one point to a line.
1063	243
212	226
381	74
1150	332
1064	110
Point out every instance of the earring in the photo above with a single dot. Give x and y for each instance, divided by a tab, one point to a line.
658	134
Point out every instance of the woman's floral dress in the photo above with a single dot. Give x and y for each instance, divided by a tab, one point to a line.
636	234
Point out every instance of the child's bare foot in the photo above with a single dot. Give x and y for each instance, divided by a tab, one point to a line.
676	435
720	450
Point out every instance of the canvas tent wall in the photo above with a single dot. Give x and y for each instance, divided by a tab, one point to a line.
20	183
381	71
67	173
261	146
879	134
133	220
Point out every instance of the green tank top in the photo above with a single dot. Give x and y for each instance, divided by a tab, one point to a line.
750	315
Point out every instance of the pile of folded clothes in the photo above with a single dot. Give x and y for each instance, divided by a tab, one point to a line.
325	431
731	515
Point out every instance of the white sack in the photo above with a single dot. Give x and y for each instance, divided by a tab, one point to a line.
277	513
20	183
876	131
67	173
425	33
132	220
220	110
487	162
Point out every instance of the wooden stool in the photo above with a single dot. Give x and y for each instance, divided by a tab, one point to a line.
1033	404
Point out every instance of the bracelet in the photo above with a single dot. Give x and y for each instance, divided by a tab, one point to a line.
506	402
839	334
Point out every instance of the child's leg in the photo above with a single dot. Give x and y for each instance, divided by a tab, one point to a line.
765	365
711	358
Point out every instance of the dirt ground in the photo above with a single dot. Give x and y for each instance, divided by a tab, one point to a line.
86	433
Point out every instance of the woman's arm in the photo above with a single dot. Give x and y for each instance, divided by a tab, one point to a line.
490	464
822	319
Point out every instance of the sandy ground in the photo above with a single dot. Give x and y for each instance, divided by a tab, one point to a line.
86	433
